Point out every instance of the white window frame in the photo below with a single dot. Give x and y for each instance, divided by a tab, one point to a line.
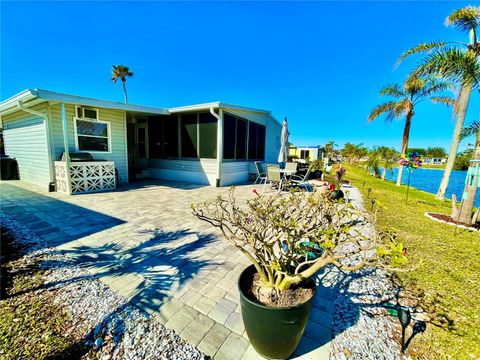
109	133
83	112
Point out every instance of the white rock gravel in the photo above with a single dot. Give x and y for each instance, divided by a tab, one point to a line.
114	328
361	327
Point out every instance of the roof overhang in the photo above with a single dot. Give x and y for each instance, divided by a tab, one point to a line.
31	97
215	105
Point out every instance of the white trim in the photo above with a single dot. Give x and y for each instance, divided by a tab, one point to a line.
126	147
216	104
97	110
108	137
9	105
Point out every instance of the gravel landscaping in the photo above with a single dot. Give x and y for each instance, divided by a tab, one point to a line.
113	329
361	327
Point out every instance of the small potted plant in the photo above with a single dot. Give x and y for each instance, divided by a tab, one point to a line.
288	238
336	191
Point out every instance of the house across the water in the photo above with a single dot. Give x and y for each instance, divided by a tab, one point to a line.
211	144
306	153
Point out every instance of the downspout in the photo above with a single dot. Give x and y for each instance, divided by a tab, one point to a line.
219	118
66	150
47	130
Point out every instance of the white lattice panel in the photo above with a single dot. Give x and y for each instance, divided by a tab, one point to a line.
87	177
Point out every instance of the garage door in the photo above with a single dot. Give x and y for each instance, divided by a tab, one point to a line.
26	141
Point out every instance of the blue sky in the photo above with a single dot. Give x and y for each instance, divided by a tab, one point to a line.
319	63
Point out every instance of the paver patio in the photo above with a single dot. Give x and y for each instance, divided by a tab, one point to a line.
143	241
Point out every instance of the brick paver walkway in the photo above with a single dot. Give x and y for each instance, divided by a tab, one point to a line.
143	241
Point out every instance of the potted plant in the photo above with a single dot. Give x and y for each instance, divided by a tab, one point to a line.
288	238
337	193
317	168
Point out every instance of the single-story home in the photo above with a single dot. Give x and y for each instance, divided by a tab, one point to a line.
307	153
211	144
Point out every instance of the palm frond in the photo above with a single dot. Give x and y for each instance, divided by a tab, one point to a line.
445	100
465	19
470	129
402	107
394	90
386	108
421	48
453	64
413	85
120	72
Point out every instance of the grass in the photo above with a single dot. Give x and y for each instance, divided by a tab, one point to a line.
32	326
446	263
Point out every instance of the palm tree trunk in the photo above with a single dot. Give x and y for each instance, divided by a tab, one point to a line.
125	92
463	99
471	184
384	172
406	135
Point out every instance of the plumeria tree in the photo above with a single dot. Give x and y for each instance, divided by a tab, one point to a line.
275	232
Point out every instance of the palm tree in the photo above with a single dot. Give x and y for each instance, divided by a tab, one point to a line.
389	158
468	198
374	162
121	72
415	90
458	62
353	152
330	149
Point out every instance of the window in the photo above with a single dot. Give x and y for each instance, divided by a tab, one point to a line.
234	138
256	141
305	154
163	137
189	131
208	135
92	135
87	113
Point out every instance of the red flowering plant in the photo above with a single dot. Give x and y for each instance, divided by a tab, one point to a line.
339	173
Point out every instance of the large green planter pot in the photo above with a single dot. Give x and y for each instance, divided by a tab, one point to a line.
273	332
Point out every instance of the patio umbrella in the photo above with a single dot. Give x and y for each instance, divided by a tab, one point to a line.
282	156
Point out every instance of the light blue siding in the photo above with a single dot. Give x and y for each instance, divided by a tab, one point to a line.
25	139
118	146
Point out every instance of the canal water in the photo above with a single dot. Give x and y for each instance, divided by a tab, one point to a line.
429	180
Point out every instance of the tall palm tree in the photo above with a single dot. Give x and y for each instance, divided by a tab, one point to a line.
121	72
458	62
404	99
468	198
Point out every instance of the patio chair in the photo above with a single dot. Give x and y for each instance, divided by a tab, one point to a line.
291	166
297	180
261	175
274	177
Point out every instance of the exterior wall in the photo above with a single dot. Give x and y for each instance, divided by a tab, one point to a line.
234	172
201	171
118	146
25	137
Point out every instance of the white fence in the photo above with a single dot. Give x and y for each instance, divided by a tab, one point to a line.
85	177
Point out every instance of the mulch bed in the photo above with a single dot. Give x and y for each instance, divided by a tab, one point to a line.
448	219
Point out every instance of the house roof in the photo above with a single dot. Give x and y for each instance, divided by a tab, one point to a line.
31	97
217	104
34	96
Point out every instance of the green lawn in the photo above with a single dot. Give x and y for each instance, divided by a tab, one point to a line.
447	276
